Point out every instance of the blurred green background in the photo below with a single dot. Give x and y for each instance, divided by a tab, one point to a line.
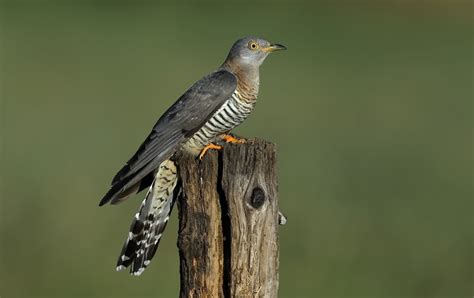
371	108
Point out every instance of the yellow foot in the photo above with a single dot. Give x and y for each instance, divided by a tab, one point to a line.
232	139
210	146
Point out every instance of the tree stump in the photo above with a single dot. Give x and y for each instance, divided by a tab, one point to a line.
228	221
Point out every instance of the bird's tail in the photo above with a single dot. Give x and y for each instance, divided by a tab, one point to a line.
150	221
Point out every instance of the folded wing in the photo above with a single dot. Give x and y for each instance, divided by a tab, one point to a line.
187	115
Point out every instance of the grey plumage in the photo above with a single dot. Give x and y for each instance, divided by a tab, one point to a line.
233	112
210	108
177	124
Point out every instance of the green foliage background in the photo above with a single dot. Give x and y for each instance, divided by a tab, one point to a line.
371	108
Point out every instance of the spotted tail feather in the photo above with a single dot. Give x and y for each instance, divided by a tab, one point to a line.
150	221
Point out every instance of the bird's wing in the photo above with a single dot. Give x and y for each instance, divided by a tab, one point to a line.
186	116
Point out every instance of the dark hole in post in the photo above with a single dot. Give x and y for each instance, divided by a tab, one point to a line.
258	198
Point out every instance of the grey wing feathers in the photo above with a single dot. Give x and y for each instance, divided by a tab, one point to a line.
177	124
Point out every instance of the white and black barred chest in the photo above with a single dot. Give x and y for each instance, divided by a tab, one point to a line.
232	113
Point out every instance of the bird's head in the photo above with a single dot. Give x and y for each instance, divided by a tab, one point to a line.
251	52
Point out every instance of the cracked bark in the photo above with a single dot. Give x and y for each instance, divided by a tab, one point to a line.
228	222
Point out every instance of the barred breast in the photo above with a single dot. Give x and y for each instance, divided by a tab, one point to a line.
232	113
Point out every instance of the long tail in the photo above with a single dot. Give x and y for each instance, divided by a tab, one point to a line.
150	221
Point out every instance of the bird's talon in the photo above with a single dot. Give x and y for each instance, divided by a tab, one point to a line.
233	140
210	146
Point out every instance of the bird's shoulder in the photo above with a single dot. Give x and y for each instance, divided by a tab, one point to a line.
182	119
202	98
216	85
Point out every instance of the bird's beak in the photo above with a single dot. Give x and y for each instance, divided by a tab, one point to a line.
274	47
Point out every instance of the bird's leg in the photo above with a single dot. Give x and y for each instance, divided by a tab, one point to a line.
210	146
228	138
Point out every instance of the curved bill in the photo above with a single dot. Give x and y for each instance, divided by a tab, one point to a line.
274	47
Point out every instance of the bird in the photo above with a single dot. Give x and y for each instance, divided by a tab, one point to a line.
204	115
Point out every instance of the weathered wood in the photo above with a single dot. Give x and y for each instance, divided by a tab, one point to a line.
228	237
250	188
200	239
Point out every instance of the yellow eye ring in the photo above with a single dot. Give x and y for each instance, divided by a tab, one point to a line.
253	45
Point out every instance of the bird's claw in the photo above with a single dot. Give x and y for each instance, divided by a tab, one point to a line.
210	146
231	139
225	138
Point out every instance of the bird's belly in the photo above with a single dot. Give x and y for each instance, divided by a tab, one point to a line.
233	112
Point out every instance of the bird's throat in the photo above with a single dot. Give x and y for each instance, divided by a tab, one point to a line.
248	79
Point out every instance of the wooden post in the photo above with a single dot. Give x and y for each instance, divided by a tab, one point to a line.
228	220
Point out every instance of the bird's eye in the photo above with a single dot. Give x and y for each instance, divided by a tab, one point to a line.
253	45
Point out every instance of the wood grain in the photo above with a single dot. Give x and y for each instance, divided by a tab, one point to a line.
228	212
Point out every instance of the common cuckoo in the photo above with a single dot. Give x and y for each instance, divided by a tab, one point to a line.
201	117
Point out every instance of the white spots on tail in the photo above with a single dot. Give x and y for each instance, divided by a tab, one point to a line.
139	272
150	221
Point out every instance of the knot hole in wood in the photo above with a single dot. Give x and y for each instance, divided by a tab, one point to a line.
257	199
